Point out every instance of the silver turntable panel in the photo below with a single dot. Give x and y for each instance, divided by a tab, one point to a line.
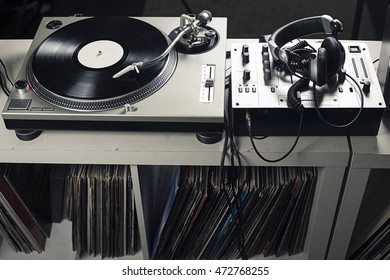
191	99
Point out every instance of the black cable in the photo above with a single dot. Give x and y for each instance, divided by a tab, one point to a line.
346	124
221	176
229	143
294	102
292	95
3	80
297	62
237	193
293	73
6	72
249	127
3	85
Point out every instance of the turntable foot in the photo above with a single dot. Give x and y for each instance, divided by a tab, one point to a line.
27	135
209	138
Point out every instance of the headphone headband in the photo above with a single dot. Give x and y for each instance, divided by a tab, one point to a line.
300	28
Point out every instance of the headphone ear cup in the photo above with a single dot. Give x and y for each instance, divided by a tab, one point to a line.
321	64
336	55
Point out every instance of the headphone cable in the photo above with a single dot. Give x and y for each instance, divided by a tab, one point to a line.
249	128
340	125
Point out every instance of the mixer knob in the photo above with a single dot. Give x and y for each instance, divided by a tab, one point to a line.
267	74
265	56
245	58
266	64
247	75
264	48
245	48
366	86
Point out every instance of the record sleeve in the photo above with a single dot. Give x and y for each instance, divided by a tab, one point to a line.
18	211
13	234
57	191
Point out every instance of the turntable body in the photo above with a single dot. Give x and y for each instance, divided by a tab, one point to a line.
180	102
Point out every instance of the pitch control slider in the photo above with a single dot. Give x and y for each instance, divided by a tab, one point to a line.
207	83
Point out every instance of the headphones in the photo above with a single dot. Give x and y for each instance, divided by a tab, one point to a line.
330	56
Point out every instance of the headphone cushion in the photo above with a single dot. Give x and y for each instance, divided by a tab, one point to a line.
336	55
321	67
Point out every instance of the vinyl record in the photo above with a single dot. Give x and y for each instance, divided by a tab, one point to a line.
74	66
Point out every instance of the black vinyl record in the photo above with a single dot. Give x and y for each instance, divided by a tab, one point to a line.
74	66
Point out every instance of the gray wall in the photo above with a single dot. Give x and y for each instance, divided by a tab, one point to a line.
251	18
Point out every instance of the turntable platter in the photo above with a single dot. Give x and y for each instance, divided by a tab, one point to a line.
73	67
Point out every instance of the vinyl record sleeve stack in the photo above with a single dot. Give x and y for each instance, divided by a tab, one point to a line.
99	201
25	206
375	240
270	206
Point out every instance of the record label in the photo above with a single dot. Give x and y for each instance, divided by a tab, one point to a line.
100	54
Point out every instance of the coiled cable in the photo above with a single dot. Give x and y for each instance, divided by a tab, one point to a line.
292	95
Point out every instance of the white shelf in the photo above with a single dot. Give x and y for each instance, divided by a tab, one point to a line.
163	149
373	152
369	152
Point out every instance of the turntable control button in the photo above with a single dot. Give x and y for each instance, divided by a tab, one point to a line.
47	109
19	104
21	87
36	109
54	24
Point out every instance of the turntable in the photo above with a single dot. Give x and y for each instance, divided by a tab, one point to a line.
121	73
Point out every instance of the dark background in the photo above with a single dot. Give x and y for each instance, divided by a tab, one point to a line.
246	18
